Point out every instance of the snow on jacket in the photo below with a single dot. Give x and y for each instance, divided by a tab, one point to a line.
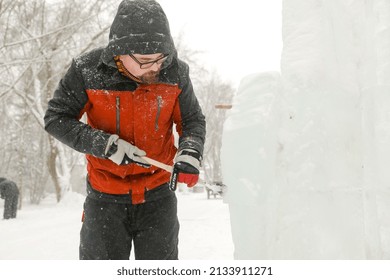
142	114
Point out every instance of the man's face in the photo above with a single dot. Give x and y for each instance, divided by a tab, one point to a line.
146	67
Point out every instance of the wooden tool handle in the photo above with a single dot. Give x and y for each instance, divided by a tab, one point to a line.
161	165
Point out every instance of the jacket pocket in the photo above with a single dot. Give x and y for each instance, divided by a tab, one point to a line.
159	105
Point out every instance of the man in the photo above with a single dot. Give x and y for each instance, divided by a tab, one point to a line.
132	92
10	193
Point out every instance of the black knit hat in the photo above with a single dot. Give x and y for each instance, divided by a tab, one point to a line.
140	26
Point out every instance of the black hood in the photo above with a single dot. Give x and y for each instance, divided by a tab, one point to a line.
140	26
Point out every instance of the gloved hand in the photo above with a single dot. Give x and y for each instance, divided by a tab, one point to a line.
186	168
122	152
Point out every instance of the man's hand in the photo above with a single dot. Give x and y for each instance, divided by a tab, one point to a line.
186	168
122	152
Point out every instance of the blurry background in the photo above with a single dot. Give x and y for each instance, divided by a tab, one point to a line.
221	40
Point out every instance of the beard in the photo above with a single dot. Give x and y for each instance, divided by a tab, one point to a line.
150	77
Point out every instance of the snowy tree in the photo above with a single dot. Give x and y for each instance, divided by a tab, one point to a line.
216	99
39	38
211	91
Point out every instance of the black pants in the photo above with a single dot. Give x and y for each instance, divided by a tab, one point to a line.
109	229
10	206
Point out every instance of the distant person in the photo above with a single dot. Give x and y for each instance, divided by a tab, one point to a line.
133	91
10	193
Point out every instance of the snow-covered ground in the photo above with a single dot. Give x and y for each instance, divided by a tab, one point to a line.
50	231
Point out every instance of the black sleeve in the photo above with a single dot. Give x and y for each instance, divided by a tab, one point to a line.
63	113
192	119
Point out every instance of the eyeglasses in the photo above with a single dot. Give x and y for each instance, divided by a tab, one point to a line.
146	65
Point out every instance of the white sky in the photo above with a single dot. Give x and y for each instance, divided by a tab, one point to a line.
241	37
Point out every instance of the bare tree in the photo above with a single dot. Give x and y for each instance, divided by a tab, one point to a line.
211	91
39	38
214	95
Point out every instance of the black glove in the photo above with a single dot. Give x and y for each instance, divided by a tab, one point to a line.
186	168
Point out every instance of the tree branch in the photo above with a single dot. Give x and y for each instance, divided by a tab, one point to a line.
46	34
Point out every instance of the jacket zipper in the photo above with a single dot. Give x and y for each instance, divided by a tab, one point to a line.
118	117
159	104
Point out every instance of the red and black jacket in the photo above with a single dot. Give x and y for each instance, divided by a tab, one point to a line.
140	114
